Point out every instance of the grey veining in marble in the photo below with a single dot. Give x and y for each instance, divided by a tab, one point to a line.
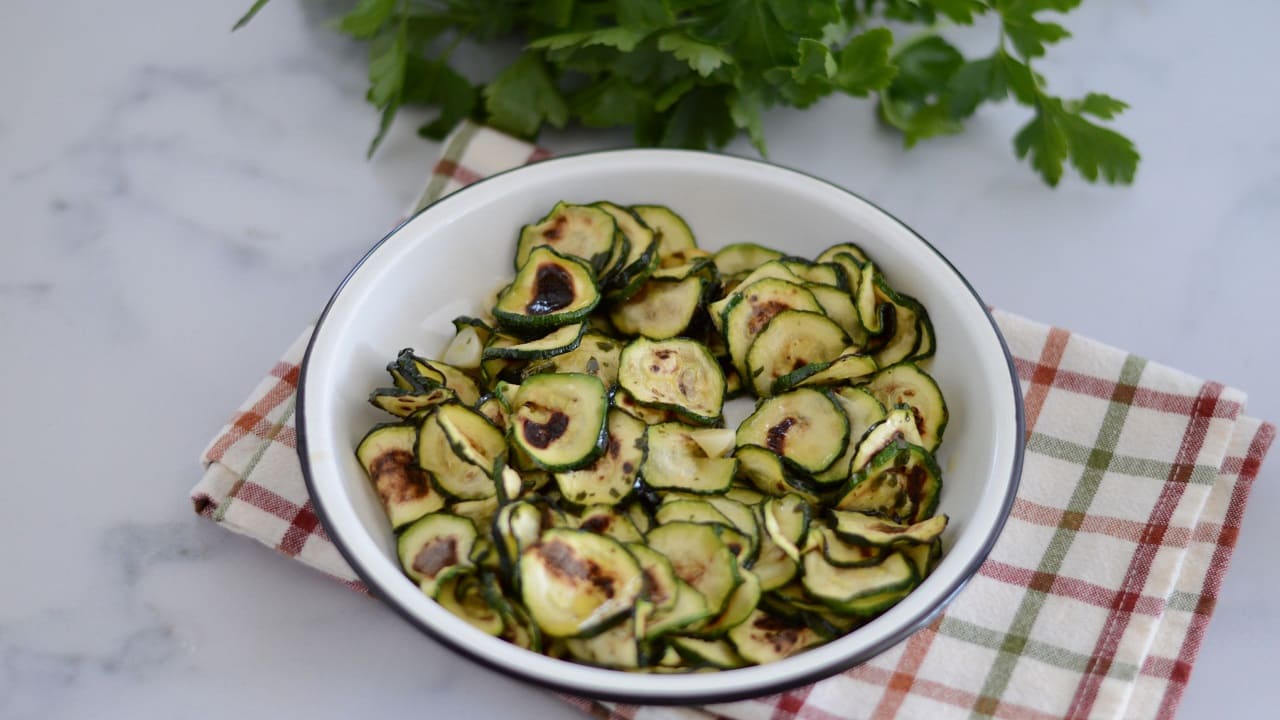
177	201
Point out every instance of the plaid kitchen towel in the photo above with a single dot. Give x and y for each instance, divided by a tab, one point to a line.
1093	602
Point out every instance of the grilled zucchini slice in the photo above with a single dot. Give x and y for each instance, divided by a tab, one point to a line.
751	309
673	233
557	342
549	290
559	420
902	482
678	375
858	590
403	403
436	548
457	478
576	583
675	461
386	453
610	479
763	637
857	527
804	426
863	411
906	384
791	340
582	231
743	257
700	558
661	309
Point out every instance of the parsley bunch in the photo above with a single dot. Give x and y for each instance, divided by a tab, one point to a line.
695	73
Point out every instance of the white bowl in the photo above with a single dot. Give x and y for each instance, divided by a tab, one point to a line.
445	260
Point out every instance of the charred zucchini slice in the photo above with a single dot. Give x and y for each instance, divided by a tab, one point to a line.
753	307
857	527
403	403
837	304
804	426
660	578
763	638
678	375
610	479
559	420
792	339
903	482
675	461
607	520
846	554
436	548
582	231
672	231
575	582
851	366
863	411
906	384
846	248
764	470
386	453
898	426
661	309
699	557
548	291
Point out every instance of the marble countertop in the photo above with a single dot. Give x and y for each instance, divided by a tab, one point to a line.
178	201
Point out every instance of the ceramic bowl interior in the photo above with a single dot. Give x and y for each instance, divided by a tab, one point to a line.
446	260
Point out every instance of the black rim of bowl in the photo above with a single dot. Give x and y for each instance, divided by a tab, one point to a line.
907	629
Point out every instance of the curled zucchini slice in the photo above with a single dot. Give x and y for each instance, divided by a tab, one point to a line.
902	482
858	590
641	260
458	478
678	375
386	453
559	420
859	527
863	411
548	291
596	354
403	403
675	461
660	309
472	437
575	582
557	342
673	233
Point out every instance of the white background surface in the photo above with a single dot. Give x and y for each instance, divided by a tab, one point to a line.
176	202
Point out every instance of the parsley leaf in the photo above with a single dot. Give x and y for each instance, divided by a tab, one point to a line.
702	57
523	96
695	73
1060	131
